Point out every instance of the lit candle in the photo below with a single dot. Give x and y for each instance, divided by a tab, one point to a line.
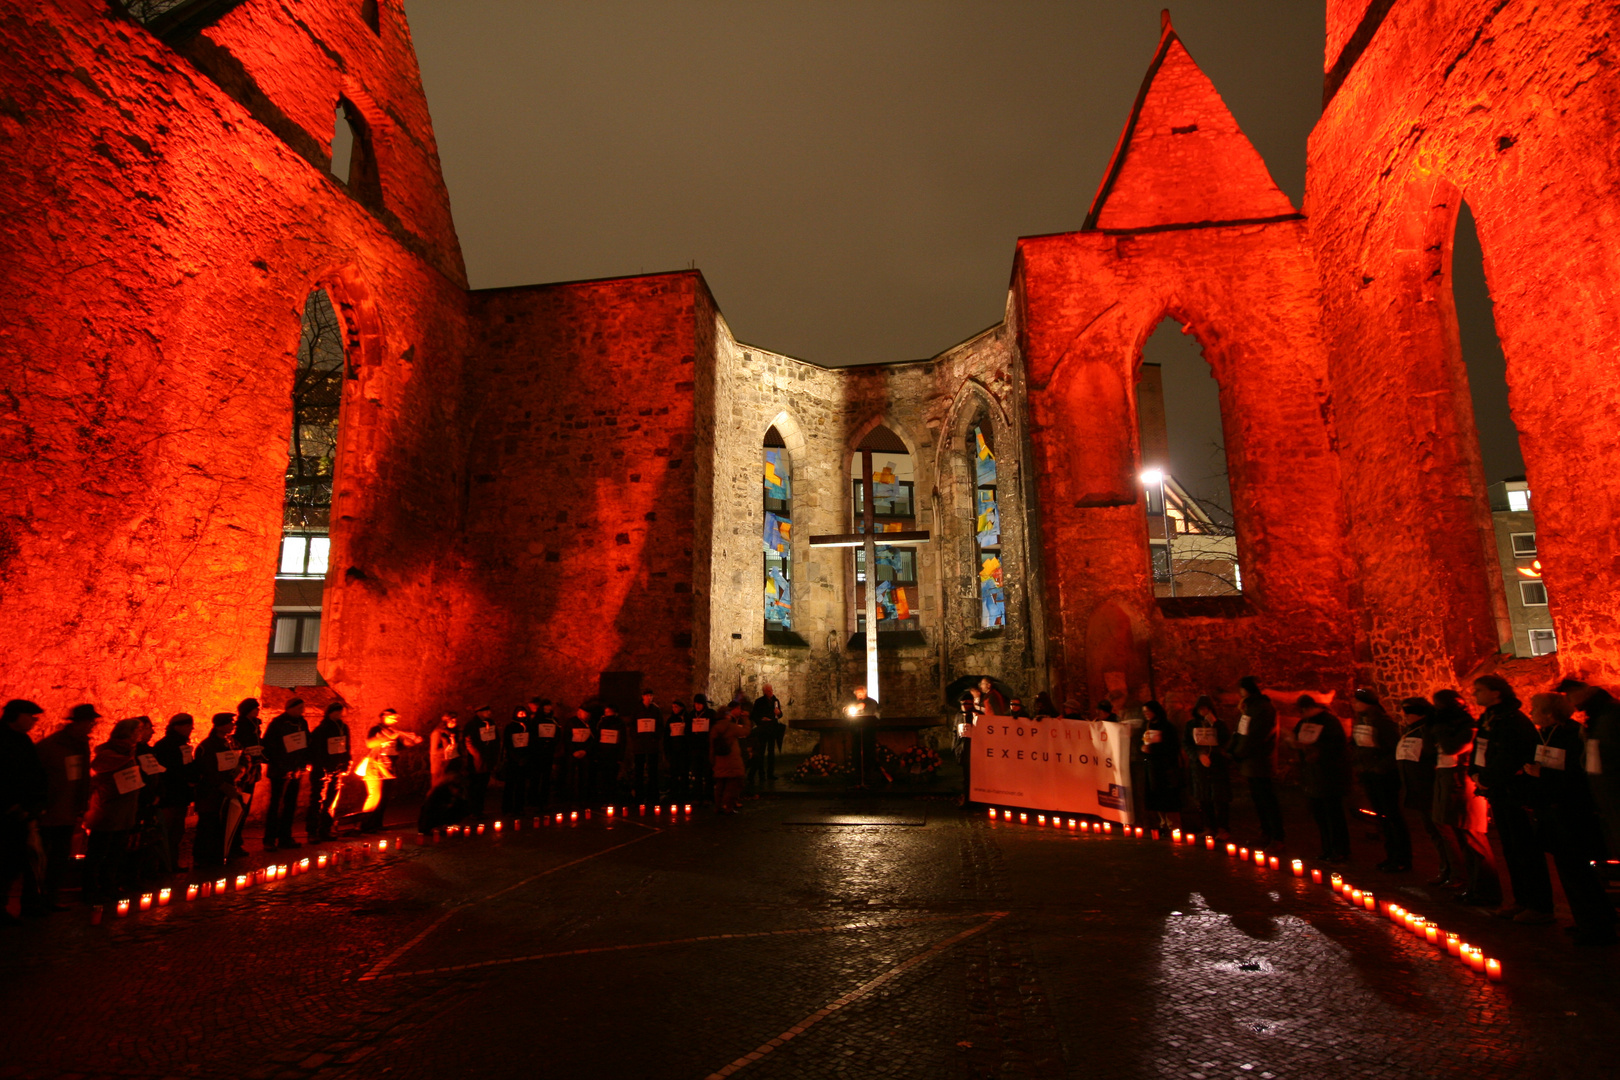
192	892
1355	897
241	882
303	865
123	908
146	901
1023	817
609	814
1175	836
1431	933
498	824
688	808
1316	875
560	817
1370	904
1139	832
1073	823
992	811
1464	951
641	809
1209	843
384	845
320	860
1108	827
1243	853
1231	849
163	897
1476	960
1452	944
1259	857
1299	867
1085	826
1338	882
1274	862
659	809
1040	819
573	815
1493	970
221	885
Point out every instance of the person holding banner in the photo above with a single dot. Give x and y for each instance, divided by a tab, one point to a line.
1324	775
1161	754
1208	767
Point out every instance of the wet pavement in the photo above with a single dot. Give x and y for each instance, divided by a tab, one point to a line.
802	938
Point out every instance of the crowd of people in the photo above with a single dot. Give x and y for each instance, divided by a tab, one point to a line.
131	797
1535	782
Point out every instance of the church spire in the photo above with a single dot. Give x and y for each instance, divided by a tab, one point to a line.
1182	159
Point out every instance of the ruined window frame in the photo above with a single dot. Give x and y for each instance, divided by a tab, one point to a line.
981	429
783	510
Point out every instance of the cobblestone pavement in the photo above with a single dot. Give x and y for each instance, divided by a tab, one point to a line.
753	947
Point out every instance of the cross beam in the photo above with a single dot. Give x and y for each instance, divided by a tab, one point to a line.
867	538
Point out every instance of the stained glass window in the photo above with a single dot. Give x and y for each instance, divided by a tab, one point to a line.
778	536
987	534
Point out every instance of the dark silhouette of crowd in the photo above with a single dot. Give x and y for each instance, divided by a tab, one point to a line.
115	815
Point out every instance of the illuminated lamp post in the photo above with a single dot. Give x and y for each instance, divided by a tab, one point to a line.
1155	478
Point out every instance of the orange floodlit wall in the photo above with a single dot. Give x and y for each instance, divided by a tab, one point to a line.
1188	223
1515	109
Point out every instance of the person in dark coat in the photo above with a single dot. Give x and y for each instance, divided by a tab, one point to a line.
445	805
286	752
1566	819
1415	755
249	740
607	755
24	791
517	759
1324	775
65	754
1373	757
1204	743
1161	754
483	746
330	756
677	751
1453	736
446	749
1044	708
1505	743
219	765
697	747
543	758
574	760
115	799
176	785
646	739
1602	759
766	716
1254	748
962	744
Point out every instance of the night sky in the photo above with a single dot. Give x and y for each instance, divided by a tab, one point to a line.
850	177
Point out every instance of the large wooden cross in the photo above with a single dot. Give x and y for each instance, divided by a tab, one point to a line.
866	538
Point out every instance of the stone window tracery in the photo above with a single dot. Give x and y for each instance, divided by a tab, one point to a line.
986	529
778	533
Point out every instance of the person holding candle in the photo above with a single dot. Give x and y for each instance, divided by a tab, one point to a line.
1373	757
1323	773
329	761
383	744
65	755
517	761
1161	754
286	751
607	755
766	718
1254	748
482	744
177	783
962	742
115	795
1204	742
1505	744
1566	818
543	759
219	766
1415	756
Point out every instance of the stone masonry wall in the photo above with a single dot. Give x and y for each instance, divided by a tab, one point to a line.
159	243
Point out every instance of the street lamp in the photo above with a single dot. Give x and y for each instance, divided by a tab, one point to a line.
1155	478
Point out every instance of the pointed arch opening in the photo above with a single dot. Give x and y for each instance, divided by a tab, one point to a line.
1186	484
778	535
306	535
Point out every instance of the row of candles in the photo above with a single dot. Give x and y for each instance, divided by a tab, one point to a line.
1417	925
200	890
277	872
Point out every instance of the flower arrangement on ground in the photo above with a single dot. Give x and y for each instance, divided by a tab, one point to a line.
817	767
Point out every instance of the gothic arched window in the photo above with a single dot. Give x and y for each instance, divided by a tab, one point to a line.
986	530
778	538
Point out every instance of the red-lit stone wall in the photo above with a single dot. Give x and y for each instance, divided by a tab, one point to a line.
580	511
158	244
1516	109
1187	224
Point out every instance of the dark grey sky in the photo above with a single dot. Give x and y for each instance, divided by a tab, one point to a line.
850	177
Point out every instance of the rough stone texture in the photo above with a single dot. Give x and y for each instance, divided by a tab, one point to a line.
1249	293
1512	107
154	280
